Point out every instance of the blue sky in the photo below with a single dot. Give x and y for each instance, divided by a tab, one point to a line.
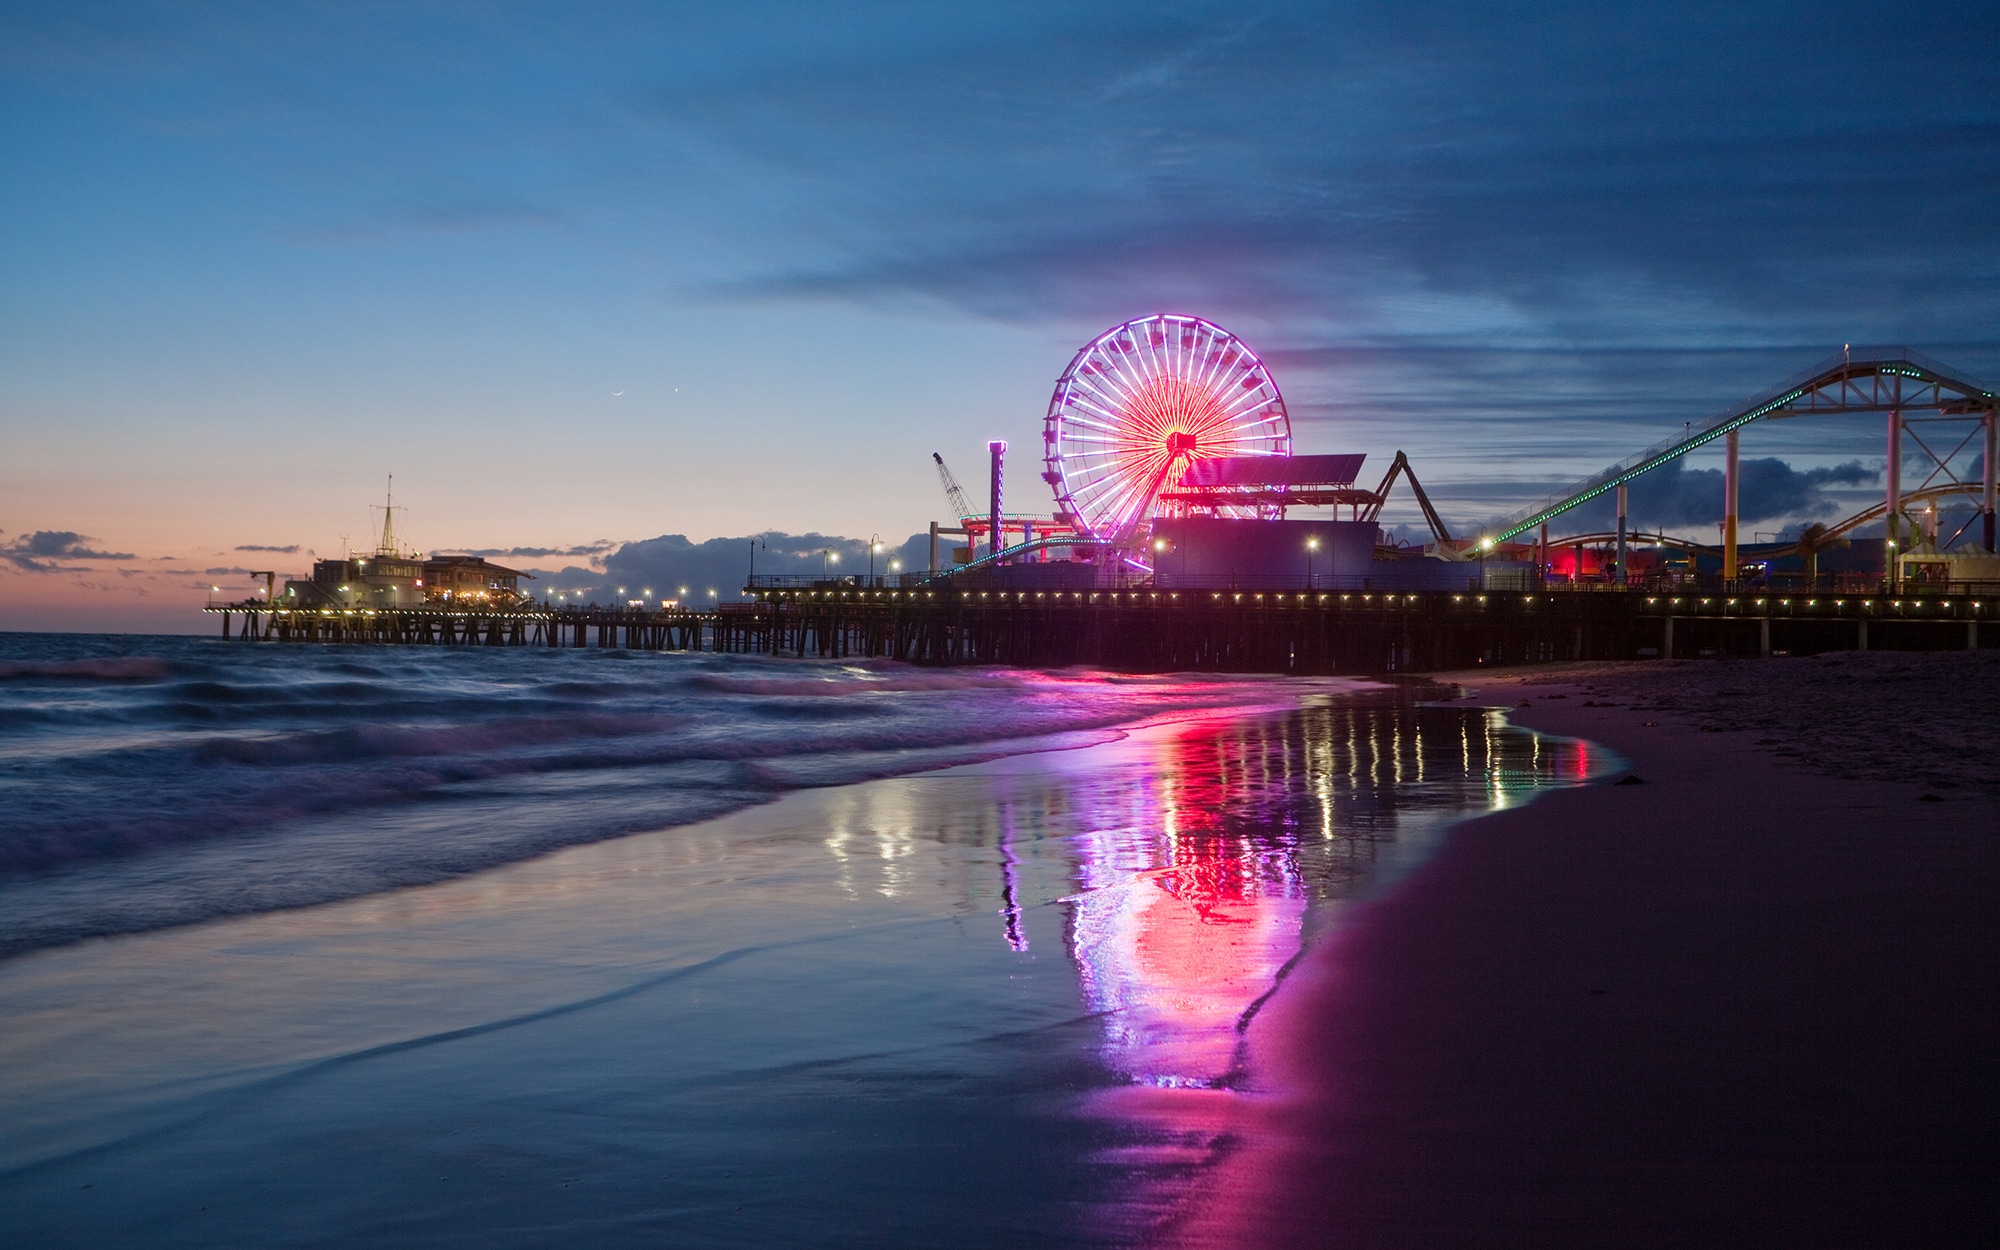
256	257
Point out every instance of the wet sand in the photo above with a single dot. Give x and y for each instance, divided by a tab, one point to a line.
1749	1002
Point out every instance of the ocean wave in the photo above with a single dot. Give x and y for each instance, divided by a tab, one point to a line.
386	767
111	669
853	680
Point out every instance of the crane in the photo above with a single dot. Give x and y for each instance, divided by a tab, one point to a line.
953	492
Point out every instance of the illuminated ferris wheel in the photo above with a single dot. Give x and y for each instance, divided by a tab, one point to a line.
1142	401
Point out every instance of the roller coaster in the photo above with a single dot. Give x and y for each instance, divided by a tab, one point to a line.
1891	380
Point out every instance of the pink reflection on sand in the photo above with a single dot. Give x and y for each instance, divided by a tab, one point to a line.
1182	926
1196	887
1174	969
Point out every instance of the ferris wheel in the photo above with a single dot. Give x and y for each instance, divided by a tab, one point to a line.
1139	403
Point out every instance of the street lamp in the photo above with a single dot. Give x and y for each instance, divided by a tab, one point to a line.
874	545
1312	545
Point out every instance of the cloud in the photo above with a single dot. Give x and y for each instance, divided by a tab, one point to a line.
291	550
1675	496
671	561
39	552
587	550
1414	174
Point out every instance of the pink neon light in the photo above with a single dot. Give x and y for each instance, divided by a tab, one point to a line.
1140	402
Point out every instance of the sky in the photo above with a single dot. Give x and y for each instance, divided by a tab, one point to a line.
590	276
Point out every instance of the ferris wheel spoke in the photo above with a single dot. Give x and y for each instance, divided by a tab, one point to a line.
1119	388
1096	424
1112	394
1106	421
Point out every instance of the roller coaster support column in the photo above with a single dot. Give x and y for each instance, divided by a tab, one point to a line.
1621	536
1729	513
1893	512
933	567
1991	493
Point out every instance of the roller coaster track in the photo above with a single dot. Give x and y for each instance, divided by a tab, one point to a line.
1762	551
1017	550
1865	379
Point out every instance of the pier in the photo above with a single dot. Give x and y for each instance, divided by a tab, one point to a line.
1140	629
1191	565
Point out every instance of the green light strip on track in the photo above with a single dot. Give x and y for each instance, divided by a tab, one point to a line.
1711	435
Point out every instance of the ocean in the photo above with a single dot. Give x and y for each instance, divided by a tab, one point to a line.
426	947
166	780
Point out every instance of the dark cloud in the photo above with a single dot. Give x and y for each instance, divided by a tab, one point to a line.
1675	496
588	550
291	550
667	563
40	551
1563	173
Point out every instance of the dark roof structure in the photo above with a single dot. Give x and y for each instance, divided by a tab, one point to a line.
1268	471
1265	482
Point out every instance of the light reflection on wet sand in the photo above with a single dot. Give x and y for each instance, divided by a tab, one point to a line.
1197	899
1129	904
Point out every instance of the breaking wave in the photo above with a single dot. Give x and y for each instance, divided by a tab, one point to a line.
153	781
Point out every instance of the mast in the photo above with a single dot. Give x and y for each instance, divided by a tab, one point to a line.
387	547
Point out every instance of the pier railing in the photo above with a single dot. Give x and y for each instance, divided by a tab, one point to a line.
1325	629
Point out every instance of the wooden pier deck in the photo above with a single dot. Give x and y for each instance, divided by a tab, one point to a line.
1145	630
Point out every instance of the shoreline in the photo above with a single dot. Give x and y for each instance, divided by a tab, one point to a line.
1738	1001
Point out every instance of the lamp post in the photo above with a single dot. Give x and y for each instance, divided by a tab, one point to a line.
874	545
1312	545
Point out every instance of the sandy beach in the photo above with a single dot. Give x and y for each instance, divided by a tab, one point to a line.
1746	999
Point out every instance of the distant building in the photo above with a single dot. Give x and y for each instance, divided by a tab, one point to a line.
391	577
379	580
460	579
405	580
